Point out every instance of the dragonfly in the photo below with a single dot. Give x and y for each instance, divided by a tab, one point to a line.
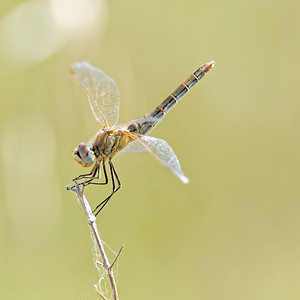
103	95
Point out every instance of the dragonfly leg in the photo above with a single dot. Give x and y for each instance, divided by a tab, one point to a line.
90	177
92	174
90	181
114	176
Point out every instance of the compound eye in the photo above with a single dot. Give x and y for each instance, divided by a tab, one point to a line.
84	155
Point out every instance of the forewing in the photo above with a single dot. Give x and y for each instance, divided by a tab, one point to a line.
163	152
101	90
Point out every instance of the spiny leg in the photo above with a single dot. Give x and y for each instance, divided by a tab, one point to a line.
90	181
92	174
103	203
114	176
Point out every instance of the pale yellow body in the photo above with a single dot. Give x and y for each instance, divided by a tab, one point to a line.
108	142
103	96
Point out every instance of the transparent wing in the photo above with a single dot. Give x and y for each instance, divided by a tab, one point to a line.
134	147
101	90
163	152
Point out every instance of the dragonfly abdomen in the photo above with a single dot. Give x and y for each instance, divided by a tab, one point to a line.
140	126
161	110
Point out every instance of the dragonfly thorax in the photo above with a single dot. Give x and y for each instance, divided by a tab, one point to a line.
108	142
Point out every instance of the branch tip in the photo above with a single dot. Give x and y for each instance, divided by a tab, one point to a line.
99	263
117	256
99	293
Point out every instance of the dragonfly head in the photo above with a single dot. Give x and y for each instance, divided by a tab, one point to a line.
84	155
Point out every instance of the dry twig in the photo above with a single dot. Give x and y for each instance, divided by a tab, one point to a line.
92	223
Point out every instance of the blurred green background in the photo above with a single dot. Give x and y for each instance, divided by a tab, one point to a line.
233	231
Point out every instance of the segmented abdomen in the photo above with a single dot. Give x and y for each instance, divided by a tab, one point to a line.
145	124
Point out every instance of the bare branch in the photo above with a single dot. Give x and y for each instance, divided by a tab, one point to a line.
92	223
